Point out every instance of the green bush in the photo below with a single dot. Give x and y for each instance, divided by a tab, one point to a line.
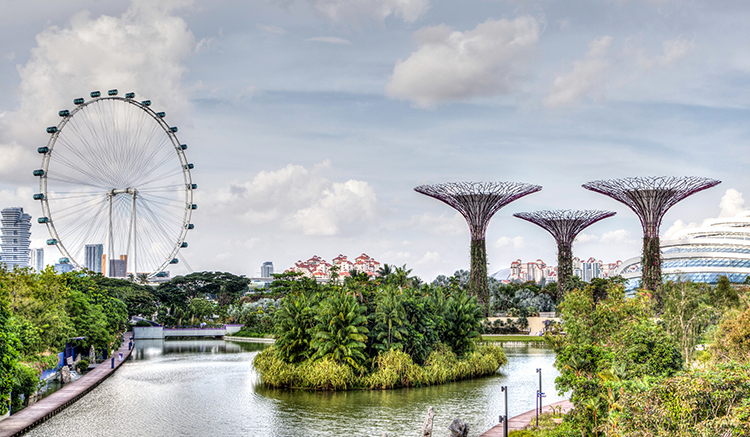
82	366
390	369
142	323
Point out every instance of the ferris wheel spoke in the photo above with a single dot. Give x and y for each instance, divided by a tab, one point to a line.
169	174
92	154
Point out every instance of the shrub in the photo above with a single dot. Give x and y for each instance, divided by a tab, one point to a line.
82	366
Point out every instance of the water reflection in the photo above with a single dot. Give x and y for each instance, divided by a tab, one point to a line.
208	387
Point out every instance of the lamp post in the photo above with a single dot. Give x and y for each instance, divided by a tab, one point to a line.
504	418
539	396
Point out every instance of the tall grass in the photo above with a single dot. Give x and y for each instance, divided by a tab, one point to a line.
390	369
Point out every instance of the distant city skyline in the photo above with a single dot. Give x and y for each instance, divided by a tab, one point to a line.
309	122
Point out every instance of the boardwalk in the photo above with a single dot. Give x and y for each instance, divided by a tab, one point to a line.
37	413
522	421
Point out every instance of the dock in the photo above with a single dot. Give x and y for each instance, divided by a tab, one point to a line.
34	414
522	421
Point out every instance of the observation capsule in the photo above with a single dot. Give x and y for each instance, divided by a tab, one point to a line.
39	196
95	94
192	186
194	206
174	261
112	92
183	146
51	129
43	149
190	226
39	172
188	166
161	114
184	244
129	95
78	101
146	103
51	242
173	128
42	220
63	113
64	260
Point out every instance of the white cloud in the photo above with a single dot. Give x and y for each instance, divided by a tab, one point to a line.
673	51
444	224
430	258
10	56
731	203
141	51
450	65
350	11
329	40
619	236
585	238
269	28
585	78
206	45
510	243
677	227
300	200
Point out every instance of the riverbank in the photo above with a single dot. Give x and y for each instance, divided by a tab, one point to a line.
49	406
250	339
522	421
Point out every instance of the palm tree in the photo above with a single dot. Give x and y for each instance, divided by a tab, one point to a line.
142	278
390	316
341	332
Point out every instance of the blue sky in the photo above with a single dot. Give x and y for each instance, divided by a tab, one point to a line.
311	121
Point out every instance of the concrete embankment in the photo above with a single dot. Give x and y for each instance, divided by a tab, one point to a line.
250	339
37	413
522	420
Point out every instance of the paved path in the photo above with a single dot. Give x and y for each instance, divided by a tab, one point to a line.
522	421
37	413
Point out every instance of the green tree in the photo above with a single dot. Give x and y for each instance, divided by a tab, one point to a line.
295	321
340	333
462	315
9	346
200	310
389	317
686	313
732	342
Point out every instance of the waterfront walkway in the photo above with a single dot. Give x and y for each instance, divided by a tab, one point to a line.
522	420
37	413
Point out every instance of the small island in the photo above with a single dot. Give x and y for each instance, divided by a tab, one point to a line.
364	334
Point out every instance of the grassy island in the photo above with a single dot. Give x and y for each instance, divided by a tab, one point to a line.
364	334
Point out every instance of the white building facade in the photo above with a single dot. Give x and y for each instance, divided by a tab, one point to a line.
15	237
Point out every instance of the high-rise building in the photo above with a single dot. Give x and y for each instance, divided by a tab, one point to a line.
266	270
94	254
118	267
64	266
16	237
37	259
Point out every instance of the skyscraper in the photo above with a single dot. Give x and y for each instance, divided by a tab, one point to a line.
16	237
37	259
266	270
94	254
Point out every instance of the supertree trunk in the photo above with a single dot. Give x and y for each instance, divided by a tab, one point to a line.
651	264
564	266
478	276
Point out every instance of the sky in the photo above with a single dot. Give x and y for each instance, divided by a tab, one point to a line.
311	121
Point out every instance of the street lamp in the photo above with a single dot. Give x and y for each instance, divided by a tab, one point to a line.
504	418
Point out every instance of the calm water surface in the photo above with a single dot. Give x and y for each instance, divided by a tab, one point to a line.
208	387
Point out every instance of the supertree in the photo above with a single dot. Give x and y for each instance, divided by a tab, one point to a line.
650	198
564	225
478	202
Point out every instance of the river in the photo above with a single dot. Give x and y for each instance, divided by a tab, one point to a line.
208	387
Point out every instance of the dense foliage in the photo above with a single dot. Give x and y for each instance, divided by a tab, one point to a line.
374	332
39	313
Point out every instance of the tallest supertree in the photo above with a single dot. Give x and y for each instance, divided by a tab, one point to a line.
478	202
650	198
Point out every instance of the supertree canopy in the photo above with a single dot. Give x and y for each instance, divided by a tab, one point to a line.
564	225
650	198
478	202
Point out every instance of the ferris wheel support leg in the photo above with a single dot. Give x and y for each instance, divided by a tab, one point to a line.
134	193
110	243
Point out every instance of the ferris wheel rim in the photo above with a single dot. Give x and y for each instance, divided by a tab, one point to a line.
185	170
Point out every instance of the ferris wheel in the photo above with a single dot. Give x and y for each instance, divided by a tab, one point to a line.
115	181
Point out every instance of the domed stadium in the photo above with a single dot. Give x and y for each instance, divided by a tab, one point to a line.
720	247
